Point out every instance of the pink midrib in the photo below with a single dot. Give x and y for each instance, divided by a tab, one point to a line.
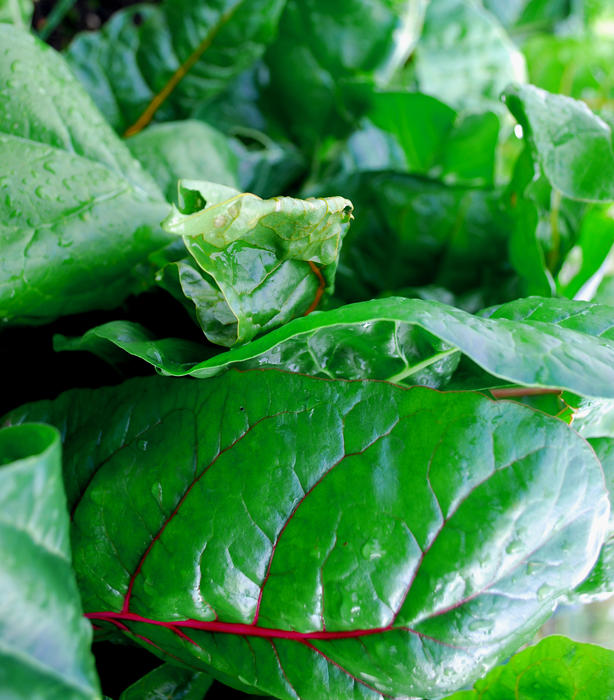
243	629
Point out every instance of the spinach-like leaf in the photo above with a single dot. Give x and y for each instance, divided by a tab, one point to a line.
44	639
532	342
572	145
464	57
169	682
158	62
557	667
259	263
188	149
319	538
78	214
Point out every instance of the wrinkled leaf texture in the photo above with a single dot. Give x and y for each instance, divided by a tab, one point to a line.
535	342
317	538
44	639
78	214
259	263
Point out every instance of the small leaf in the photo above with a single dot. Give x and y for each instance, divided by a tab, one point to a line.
260	262
318	538
557	667
572	145
44	639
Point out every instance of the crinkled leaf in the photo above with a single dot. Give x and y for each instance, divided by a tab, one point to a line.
169	682
78	214
260	262
158	62
18	12
572	145
384	540
321	46
531	342
557	667
464	57
44	639
187	149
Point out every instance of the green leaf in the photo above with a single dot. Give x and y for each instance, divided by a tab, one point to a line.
570	143
78	214
169	682
410	231
321	47
464	57
262	262
187	149
532	342
385	540
557	667
44	639
152	62
17	12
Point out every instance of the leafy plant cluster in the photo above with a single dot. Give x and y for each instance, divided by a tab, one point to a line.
387	454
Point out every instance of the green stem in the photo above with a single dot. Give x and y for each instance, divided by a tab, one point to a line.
408	371
55	17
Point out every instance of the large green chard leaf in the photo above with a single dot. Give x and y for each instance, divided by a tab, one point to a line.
321	46
532	342
77	213
259	263
464	56
169	682
572	145
44	640
158	62
557	667
319	538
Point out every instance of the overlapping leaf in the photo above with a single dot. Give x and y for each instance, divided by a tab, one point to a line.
256	263
78	215
158	62
324	539
170	682
557	667
44	640
531	342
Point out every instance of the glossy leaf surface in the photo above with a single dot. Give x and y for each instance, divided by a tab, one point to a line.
44	640
557	667
259	263
531	342
572	145
78	215
159	62
315	538
169	682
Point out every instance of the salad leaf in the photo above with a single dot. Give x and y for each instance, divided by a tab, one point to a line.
18	12
78	215
259	263
158	62
571	144
400	559
532	342
557	667
44	640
